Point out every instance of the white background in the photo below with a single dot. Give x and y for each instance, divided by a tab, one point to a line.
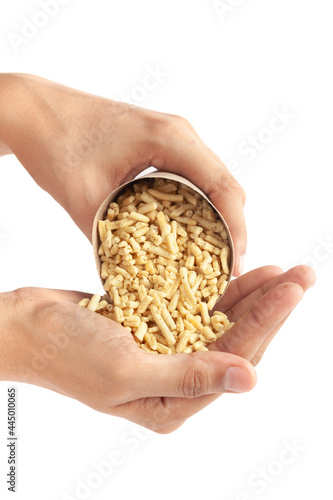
226	73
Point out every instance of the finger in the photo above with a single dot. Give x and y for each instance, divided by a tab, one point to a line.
229	198
183	152
243	286
250	331
304	276
263	347
261	350
192	375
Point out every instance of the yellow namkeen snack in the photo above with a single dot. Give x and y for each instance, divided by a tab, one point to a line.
165	261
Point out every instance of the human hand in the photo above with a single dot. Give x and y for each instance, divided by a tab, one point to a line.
68	349
50	341
80	147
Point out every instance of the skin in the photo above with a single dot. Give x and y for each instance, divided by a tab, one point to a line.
80	147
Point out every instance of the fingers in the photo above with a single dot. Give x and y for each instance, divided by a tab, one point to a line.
251	330
304	276
191	376
263	347
229	198
182	151
245	285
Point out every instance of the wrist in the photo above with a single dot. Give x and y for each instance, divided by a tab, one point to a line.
14	339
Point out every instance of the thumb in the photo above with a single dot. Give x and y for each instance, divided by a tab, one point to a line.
197	374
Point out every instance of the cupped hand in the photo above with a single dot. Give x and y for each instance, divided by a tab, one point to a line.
80	354
79	147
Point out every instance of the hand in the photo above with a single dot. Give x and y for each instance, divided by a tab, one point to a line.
80	147
66	348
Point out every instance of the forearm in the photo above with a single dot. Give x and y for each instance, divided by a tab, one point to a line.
33	119
15	112
41	125
25	124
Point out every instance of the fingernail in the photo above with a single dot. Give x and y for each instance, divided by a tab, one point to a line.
241	264
237	380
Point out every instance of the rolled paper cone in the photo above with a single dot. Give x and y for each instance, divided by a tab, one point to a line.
102	211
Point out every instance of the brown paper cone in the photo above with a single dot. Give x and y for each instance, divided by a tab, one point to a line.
102	211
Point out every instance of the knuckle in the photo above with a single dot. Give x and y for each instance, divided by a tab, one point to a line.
227	343
179	121
154	414
167	428
163	129
233	340
152	124
230	184
24	291
165	416
224	182
157	122
195	382
174	126
30	300
256	320
257	358
27	292
242	194
48	315
159	415
34	303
